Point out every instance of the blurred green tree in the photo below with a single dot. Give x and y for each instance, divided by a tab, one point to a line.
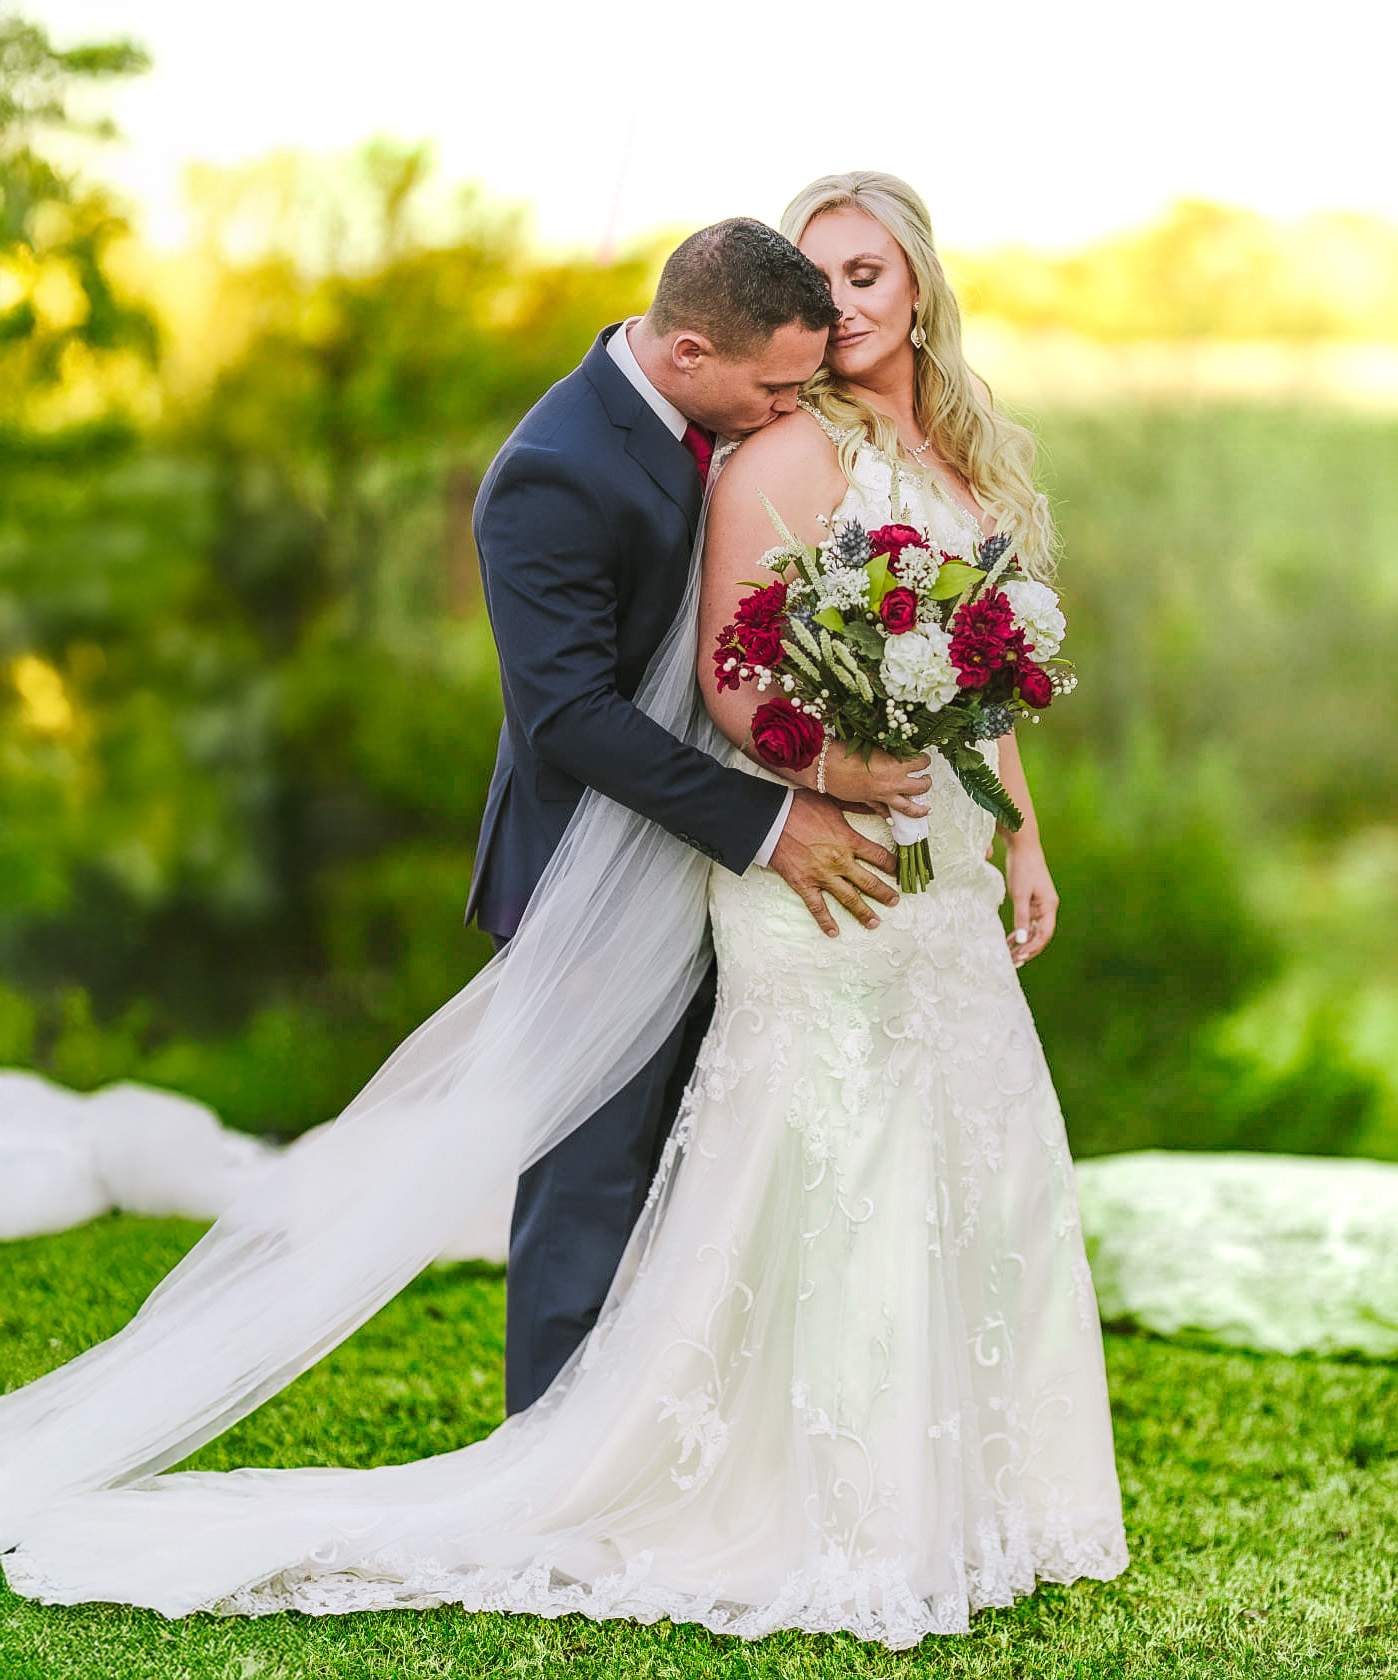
65	328
252	697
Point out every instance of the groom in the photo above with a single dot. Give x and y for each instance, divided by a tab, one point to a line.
585	526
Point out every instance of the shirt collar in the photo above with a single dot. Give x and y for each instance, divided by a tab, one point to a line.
619	349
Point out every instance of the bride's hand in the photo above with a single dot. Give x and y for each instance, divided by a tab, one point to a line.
1033	895
883	784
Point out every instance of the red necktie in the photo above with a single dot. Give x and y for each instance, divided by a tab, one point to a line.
700	444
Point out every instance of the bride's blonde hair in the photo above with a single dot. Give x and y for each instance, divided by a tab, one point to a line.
993	454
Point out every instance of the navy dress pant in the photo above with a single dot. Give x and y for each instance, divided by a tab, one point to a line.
576	1207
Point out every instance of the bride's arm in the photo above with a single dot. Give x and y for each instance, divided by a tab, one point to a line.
1027	877
794	465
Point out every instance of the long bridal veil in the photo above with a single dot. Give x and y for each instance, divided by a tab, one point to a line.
610	951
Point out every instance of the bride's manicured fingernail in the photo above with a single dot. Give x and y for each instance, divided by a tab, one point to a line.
1021	936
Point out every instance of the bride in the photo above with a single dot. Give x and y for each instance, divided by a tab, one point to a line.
849	1375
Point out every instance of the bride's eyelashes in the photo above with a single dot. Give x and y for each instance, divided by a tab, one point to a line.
863	278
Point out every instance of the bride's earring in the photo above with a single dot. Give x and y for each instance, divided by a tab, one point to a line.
918	337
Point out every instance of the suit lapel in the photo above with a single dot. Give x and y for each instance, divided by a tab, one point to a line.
649	441
668	462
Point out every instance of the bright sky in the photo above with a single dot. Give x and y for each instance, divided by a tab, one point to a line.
1042	120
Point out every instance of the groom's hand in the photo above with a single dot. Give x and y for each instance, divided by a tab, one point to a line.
820	853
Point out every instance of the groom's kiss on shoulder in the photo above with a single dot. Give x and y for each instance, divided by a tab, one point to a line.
586	526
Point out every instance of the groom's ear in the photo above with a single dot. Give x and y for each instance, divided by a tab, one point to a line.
688	349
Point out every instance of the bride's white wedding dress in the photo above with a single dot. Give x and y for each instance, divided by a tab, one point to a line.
850	1375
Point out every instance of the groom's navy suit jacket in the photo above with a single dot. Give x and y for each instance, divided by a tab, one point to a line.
585	526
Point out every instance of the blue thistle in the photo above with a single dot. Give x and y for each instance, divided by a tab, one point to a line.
850	544
991	550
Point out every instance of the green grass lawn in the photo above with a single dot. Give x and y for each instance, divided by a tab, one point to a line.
1261	1497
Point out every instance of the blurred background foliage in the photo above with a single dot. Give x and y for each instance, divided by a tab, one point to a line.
248	701
1205	270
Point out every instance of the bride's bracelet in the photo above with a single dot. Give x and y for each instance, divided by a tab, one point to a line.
820	765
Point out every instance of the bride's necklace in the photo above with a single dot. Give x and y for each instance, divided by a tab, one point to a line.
938	488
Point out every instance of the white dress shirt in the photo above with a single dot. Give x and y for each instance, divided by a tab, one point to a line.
619	349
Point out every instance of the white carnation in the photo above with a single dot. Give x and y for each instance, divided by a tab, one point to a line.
1037	613
918	667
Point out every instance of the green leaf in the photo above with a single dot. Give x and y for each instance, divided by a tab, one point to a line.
983	785
864	637
954	576
831	618
881	580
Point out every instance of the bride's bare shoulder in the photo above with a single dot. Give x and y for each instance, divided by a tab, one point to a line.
795	439
791	461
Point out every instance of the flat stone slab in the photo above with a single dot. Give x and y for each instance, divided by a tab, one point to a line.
1285	1253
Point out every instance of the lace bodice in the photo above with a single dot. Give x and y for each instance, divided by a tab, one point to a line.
881	490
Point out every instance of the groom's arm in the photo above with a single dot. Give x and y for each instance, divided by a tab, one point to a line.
548	556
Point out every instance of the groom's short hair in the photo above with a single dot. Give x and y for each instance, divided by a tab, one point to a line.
737	282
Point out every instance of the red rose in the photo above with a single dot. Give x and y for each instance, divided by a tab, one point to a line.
1034	686
892	540
784	737
899	611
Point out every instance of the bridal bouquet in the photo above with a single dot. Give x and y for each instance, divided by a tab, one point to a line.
873	638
